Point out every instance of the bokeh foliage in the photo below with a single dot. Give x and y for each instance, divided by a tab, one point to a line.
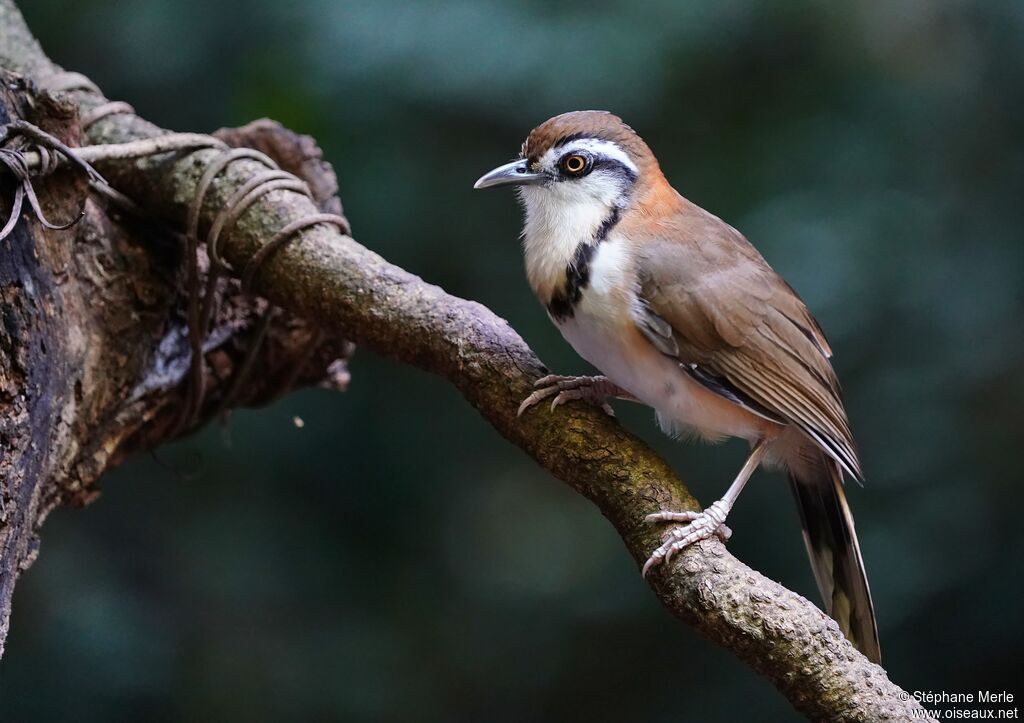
393	558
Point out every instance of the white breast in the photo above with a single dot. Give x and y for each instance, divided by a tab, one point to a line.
602	331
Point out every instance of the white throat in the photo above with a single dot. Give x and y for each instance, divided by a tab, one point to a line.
559	217
557	222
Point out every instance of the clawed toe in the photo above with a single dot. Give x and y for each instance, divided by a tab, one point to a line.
698	526
566	389
569	395
668	516
538	396
552	379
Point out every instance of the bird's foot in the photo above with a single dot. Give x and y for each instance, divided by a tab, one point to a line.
699	526
594	390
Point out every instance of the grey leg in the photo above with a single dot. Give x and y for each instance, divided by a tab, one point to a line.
702	525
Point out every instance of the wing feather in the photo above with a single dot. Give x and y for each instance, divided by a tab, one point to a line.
738	328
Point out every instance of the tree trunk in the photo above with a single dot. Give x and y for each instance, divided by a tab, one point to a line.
94	338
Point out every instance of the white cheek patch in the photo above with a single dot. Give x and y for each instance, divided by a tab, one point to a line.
600	189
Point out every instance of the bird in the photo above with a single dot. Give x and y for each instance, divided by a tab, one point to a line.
679	311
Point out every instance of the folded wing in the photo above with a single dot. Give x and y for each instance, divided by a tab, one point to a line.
740	330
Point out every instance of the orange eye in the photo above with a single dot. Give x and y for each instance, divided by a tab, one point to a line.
574	164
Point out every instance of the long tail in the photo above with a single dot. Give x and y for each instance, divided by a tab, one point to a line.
832	546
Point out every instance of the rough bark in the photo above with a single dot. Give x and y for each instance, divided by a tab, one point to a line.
332	281
93	340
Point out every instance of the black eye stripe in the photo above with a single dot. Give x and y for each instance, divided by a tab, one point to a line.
616	167
597	162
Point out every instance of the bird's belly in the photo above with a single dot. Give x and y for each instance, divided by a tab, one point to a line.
684	407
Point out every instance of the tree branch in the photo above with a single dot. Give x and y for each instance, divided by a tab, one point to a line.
330	279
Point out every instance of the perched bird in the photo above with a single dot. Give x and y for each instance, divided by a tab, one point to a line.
680	312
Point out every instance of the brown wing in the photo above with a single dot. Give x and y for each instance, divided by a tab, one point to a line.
738	328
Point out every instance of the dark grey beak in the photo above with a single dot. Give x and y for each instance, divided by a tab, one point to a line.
516	173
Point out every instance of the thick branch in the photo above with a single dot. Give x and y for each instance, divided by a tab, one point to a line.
332	280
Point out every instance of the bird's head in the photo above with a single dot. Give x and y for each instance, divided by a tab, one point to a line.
584	162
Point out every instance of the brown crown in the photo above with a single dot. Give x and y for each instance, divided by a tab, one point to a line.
598	124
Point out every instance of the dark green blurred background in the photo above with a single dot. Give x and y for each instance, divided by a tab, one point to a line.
394	559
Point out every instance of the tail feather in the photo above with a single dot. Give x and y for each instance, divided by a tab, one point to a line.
833	548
